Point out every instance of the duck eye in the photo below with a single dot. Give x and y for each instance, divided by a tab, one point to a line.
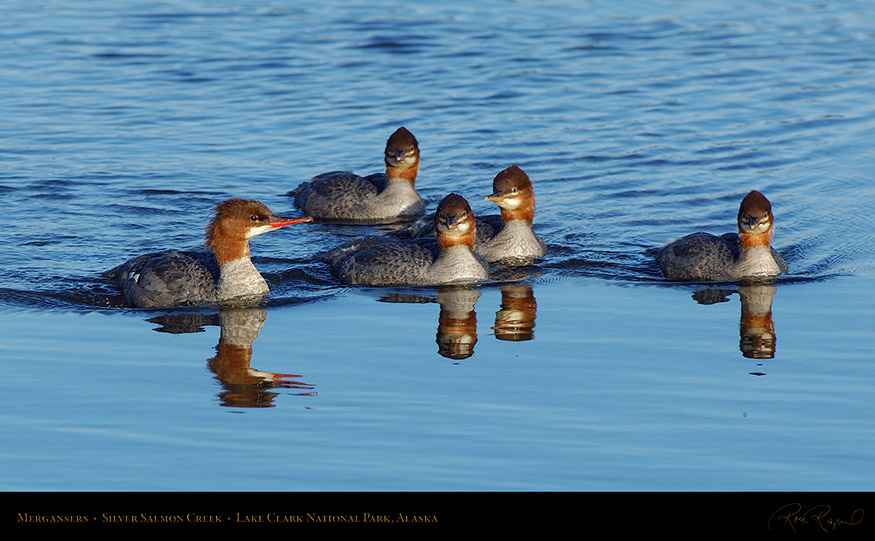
253	218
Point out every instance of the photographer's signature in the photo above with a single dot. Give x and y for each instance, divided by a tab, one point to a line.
796	516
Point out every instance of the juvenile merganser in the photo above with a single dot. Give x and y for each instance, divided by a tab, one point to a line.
505	237
702	256
378	198
180	278
383	261
511	236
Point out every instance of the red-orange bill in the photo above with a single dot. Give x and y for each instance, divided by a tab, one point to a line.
280	222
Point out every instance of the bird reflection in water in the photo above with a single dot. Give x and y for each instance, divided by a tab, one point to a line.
243	386
757	328
457	322
515	321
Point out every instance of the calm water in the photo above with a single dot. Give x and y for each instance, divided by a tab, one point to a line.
124	123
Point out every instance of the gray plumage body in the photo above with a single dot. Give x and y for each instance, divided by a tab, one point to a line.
385	262
185	278
702	256
344	196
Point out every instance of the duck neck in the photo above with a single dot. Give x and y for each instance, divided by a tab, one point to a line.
516	228
239	278
756	254
226	243
407	174
451	241
457	263
753	240
525	211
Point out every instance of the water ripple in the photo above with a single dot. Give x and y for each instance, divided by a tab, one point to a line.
128	126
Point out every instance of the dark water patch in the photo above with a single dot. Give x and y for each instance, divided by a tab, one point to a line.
142	210
778	281
298	299
88	296
590	265
306	277
183	16
114	55
399	45
171	192
45	242
185	322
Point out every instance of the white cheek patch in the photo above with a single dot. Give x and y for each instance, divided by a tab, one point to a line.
460	229
255	231
406	161
510	203
760	227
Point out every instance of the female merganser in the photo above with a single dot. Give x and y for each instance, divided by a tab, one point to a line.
382	261
181	278
748	254
377	198
511	237
508	236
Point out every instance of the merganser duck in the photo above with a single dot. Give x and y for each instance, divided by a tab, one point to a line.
505	237
747	254
511	236
378	198
183	278
378	260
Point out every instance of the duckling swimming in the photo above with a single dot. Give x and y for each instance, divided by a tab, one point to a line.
747	254
384	261
378	198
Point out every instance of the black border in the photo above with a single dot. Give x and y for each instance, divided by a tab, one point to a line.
834	514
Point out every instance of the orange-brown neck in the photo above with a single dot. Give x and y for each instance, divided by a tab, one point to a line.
445	240
519	299
450	323
407	173
759	322
750	240
526	211
226	245
233	357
